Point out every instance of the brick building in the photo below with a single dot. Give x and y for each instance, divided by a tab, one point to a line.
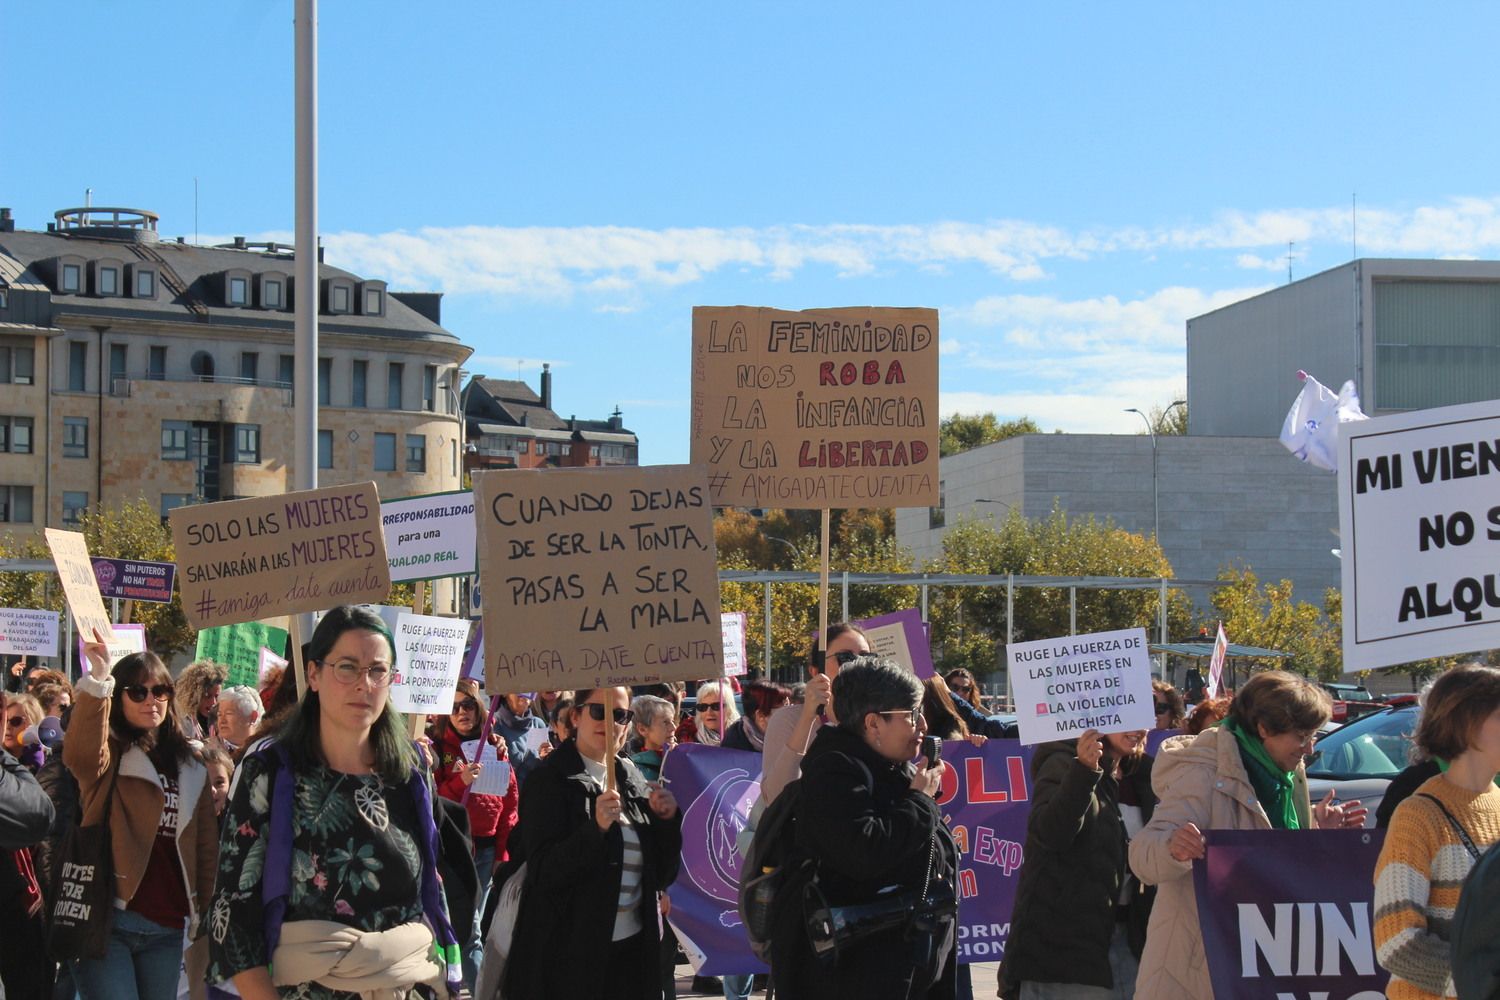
512	427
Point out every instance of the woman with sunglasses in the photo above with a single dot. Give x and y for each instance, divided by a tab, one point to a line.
715	711
124	734
491	817
331	887
22	711
595	860
790	729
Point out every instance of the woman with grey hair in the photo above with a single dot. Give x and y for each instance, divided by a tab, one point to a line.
655	722
867	820
240	711
716	712
198	688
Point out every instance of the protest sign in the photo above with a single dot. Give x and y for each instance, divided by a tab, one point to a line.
134	580
732	628
71	555
1068	685
827	408
1290	913
429	537
494	775
26	632
429	654
238	647
127	639
902	637
597	577
242	560
269	662
1419	530
474	655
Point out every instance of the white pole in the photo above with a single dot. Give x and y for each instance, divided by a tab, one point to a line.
308	289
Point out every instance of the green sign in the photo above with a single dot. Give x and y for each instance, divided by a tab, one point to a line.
238	648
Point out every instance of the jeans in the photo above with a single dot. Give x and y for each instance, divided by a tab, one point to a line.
738	987
484	863
142	962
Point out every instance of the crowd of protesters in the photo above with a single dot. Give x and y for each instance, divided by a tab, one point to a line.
270	843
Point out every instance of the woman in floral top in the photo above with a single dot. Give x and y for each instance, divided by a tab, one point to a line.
334	824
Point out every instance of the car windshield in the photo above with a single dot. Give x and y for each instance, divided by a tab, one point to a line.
1375	746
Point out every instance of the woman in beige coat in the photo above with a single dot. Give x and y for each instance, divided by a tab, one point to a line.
1245	774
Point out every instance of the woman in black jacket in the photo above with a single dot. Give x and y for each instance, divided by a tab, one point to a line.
869	823
595	861
1080	915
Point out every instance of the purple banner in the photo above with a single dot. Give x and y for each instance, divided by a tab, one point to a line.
1289	913
986	796
133	580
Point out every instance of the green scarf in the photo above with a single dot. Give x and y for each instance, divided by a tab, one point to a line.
1443	769
1273	786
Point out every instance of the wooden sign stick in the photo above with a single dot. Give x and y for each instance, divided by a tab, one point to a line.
129	610
299	669
823	588
418	604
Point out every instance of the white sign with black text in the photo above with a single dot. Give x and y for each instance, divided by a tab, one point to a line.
1069	685
429	656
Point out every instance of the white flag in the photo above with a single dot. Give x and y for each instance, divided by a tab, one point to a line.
1216	662
1311	430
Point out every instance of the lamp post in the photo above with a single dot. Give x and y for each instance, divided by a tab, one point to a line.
1155	494
463	421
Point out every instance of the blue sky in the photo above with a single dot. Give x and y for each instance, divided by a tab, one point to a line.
1067	183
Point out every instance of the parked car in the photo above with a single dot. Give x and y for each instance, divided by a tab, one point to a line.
1358	760
1350	701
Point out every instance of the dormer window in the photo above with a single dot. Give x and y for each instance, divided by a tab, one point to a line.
107	278
142	282
4	295
237	288
272	292
70	277
372	298
340	297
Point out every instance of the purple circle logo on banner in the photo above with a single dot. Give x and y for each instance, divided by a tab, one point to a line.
104	572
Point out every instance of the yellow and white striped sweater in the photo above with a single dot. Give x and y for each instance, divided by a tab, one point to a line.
1417	883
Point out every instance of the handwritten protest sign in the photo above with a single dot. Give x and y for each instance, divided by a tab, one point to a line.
494	776
597	577
127	639
429	537
1066	686
242	560
134	580
238	648
71	554
429	655
827	408
733	631
1419	528
26	632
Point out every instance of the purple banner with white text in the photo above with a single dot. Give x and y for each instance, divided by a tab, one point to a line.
1289	914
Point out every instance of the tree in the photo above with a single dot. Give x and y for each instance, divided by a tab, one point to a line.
961	431
1268	617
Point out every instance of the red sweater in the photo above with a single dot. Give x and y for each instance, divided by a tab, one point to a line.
489	815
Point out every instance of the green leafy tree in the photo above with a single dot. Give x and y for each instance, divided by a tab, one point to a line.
963	431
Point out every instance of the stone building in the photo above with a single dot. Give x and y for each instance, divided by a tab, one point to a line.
512	427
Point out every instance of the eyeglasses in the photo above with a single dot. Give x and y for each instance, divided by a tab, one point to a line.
706	706
961	688
17	720
377	675
137	692
914	716
622	716
1162	709
466	705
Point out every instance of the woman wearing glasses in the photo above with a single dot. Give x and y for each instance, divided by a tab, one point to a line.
716	712
595	860
330	887
22	711
124	735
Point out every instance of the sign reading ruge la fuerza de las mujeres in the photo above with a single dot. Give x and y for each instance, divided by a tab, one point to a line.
827	408
243	560
597	577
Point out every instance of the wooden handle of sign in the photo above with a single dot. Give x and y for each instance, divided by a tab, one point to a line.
129	610
299	669
419	598
823	585
418	724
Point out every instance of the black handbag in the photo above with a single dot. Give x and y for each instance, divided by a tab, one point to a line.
82	909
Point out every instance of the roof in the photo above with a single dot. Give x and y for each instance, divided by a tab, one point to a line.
506	390
197	268
1205	649
518	404
607	437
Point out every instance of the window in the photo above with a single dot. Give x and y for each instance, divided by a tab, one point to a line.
15	504
15	435
4	295
118	353
429	387
239	291
75	437
286	370
78	363
338	298
145	284
325	449
202	365
72	277
271	298
171	501
17	365
523	446
109	283
372	301
74	504
325	380
247	443
385	452
156	366
359	382
249	365
174	440
416	453
938	516
394	372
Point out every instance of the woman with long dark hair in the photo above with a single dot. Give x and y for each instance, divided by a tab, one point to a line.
124	734
330	847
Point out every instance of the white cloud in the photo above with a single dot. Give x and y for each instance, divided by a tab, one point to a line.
1251	262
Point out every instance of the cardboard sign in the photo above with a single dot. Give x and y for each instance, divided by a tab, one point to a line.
71	555
429	537
242	560
1419	531
127	639
494	776
25	632
1066	686
902	637
828	408
598	577
429	656
133	580
238	647
269	662
732	628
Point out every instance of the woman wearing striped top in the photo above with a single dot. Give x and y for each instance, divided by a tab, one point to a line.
1438	833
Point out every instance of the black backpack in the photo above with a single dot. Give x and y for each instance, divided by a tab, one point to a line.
1475	934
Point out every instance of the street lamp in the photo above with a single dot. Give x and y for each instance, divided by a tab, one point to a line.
796	554
991	500
1155	494
463	421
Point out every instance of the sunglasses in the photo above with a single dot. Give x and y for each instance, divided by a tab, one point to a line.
138	692
16	720
706	706
1162	709
842	657
466	705
622	716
